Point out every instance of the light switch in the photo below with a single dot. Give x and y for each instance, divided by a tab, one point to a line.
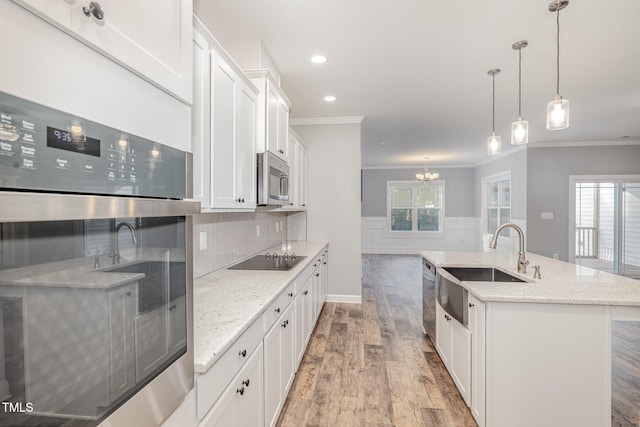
203	240
546	215
257	230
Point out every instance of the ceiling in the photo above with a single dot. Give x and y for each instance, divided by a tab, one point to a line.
417	69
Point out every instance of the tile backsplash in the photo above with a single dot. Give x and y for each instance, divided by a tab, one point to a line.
220	239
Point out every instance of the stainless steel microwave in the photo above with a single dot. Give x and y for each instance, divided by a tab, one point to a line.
273	180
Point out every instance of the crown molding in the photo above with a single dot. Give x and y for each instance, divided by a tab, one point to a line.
345	120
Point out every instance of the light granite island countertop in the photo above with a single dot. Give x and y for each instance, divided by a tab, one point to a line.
561	282
226	302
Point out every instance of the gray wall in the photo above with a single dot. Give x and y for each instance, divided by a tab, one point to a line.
458	198
333	209
548	188
517	164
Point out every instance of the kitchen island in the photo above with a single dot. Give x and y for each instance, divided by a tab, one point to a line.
545	351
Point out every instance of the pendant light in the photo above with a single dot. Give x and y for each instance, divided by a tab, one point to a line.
520	128
558	109
494	144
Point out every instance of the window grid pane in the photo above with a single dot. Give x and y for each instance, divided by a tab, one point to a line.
428	219
401	220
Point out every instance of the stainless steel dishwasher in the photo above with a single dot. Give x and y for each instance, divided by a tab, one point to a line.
429	299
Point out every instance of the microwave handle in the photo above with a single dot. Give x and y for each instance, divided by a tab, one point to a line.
284	186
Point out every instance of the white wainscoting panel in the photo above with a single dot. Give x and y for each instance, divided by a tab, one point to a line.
460	233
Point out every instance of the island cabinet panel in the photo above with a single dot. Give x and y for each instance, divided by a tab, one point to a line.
477	327
547	365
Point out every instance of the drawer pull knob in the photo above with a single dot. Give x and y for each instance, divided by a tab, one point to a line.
306	292
317	274
243	353
471	305
246	382
285	323
278	310
290	294
240	390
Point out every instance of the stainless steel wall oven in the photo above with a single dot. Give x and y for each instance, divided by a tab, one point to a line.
95	272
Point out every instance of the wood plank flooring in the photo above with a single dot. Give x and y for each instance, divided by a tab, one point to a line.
370	364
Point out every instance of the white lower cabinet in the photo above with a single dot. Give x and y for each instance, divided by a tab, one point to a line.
453	343
303	305
477	326
248	384
279	360
242	402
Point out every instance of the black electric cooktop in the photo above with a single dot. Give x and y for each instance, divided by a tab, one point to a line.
269	262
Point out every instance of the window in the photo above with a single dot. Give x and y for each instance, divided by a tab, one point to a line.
496	202
415	206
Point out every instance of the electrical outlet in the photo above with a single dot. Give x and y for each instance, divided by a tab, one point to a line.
555	256
203	240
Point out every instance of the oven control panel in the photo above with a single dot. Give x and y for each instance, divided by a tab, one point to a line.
42	149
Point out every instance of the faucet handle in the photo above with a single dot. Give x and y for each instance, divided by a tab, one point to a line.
536	272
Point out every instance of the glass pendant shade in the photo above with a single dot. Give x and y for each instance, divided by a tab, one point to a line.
558	113
519	131
494	145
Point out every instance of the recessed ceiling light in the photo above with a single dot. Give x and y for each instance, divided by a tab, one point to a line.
318	59
329	98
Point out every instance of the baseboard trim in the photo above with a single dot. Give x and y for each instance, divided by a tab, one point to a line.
349	299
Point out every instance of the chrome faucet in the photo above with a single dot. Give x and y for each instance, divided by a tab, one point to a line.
115	255
522	261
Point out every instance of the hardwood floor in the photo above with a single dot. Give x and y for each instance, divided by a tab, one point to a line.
625	374
370	364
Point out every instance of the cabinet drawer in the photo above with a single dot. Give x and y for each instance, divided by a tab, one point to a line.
211	384
280	304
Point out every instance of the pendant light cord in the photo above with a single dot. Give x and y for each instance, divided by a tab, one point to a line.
493	122
519	82
558	51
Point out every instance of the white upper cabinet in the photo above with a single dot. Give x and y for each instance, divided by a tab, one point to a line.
150	38
224	129
273	115
297	172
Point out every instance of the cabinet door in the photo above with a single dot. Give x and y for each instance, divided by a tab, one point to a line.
287	350
283	129
272	374
223	150
152	340
150	38
303	304
460	361
241	404
443	335
246	147
273	106
201	120
250	404
302	176
292	151
477	327
122	310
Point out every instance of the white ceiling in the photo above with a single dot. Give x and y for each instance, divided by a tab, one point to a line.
417	69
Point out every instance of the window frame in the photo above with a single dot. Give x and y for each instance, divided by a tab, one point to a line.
496	178
414	232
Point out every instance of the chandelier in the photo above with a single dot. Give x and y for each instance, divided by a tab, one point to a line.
427	176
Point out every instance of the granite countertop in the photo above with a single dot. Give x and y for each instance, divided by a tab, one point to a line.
226	302
561	282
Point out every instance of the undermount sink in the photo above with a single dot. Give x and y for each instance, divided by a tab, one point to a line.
481	274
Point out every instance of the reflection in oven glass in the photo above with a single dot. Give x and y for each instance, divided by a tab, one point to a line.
90	312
